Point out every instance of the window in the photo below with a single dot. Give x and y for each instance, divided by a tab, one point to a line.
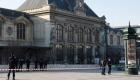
89	37
70	34
80	35
59	33
21	31
111	39
97	37
1	23
118	40
59	53
70	54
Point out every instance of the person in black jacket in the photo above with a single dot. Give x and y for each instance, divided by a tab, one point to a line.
28	64
109	66
103	66
12	66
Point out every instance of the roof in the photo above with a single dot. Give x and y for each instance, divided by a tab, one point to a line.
67	5
122	27
12	14
114	29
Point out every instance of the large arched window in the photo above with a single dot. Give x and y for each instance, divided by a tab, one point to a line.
59	33
70	34
89	37
80	35
21	31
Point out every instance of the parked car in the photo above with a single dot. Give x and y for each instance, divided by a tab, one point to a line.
121	65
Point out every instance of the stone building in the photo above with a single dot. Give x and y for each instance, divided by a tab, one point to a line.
115	44
62	31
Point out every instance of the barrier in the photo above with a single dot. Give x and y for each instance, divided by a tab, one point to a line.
4	68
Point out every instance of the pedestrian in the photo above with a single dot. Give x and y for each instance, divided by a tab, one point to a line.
109	65
28	64
103	66
36	64
21	62
17	64
41	64
45	64
12	66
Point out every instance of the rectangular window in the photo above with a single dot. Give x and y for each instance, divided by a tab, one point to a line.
21	31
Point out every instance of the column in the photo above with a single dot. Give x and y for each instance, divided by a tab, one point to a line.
85	54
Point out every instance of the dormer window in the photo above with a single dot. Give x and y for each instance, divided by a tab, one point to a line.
21	31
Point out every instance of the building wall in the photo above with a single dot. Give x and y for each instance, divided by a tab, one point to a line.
68	47
58	35
115	47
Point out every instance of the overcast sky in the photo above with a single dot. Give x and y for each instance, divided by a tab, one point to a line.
117	12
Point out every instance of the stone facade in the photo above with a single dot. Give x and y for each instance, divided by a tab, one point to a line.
115	44
72	36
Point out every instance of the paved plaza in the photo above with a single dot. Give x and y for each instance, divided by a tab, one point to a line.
71	75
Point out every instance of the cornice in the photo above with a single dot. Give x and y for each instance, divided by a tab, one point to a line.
52	9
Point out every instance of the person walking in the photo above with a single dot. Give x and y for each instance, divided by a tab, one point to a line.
12	66
41	64
103	66
21	62
36	64
109	66
45	64
28	64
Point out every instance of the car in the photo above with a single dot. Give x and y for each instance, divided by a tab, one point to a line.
121	65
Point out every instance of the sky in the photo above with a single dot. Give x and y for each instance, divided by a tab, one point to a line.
117	12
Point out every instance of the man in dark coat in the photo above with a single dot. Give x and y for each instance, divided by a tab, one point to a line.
109	66
12	65
103	66
45	64
28	64
41	64
21	62
36	64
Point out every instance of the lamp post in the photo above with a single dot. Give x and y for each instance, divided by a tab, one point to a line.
130	51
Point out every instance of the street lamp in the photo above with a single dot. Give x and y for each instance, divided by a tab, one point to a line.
130	51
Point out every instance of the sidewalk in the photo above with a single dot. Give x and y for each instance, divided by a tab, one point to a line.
73	75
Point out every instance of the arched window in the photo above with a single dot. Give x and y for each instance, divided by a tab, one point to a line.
21	31
70	34
70	54
59	53
118	40
80	35
59	33
1	24
89	37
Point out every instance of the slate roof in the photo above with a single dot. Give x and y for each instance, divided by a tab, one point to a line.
67	5
12	14
115	30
